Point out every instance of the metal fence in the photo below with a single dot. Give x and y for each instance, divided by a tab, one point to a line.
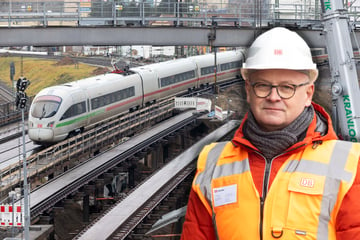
95	13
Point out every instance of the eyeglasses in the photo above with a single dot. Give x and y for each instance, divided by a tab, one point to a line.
285	91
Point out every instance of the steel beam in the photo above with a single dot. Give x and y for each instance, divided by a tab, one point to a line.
156	36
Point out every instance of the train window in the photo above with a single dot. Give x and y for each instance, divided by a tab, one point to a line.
45	106
74	110
113	97
230	65
207	70
107	99
94	103
102	101
191	74
166	81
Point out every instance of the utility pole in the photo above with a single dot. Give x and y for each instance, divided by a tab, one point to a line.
211	39
21	100
215	72
12	73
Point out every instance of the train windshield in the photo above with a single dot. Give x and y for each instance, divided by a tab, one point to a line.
45	106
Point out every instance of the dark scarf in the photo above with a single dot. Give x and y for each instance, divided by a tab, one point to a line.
274	143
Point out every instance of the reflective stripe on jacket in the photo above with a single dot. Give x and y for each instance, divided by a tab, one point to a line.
303	200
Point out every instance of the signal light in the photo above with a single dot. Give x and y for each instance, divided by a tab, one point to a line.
21	84
21	100
23	103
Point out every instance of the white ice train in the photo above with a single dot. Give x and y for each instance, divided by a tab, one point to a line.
61	111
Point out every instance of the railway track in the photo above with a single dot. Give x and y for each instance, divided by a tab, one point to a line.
7	105
10	114
149	206
6	94
10	131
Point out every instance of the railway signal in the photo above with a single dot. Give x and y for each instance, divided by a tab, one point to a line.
21	99
22	84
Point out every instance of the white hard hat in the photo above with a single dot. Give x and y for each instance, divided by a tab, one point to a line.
279	48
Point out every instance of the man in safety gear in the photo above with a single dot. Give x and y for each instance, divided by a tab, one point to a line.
284	175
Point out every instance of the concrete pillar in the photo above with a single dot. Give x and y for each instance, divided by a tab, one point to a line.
88	190
148	158
188	140
157	157
99	187
131	171
86	208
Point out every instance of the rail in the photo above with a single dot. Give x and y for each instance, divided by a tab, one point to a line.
9	113
44	202
115	13
151	203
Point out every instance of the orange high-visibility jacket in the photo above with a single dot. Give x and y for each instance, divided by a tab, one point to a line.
231	197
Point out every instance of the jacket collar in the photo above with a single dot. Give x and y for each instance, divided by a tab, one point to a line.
320	129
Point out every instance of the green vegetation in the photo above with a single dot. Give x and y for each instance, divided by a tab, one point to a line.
44	73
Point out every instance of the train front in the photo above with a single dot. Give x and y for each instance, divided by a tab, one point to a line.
42	118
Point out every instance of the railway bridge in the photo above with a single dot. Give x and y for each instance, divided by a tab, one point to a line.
116	23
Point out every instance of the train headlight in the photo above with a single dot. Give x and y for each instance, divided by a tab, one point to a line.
50	124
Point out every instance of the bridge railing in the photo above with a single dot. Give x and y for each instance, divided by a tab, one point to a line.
115	13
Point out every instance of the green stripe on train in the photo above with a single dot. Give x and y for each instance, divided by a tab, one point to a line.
79	119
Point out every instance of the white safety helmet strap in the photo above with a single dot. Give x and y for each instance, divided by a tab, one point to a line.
279	48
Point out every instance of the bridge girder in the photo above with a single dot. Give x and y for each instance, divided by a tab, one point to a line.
156	36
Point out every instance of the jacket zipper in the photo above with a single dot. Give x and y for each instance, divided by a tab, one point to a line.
266	180
264	192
